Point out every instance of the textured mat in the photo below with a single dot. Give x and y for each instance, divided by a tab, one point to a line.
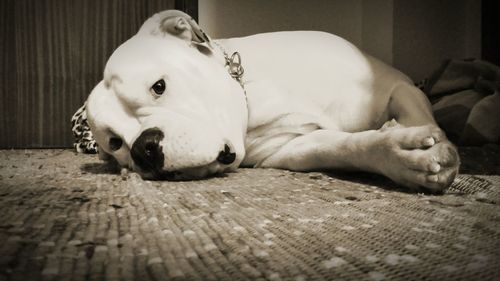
69	217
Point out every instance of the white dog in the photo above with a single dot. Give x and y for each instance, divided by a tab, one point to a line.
174	105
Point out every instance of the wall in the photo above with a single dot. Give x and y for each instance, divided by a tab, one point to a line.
229	18
377	24
426	32
413	35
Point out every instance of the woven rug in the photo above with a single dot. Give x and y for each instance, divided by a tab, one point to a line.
65	216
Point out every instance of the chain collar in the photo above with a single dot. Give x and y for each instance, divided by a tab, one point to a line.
233	65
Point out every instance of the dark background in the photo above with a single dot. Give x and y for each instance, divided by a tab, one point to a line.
490	25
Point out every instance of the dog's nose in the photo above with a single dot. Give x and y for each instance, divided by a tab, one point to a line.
226	157
146	150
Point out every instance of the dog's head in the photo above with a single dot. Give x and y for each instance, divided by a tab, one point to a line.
166	106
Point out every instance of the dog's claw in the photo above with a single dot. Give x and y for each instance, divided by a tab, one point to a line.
433	178
428	142
435	167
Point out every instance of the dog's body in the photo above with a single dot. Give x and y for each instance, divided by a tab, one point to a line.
313	101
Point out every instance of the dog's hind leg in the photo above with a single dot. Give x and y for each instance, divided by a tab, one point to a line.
410	107
406	155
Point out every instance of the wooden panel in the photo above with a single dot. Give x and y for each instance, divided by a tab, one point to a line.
54	52
8	100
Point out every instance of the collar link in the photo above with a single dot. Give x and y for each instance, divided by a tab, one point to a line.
233	65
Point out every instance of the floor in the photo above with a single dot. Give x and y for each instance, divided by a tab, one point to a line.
68	216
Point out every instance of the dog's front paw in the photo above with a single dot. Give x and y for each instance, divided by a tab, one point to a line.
422	157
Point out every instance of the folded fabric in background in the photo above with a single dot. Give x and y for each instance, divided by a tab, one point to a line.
465	97
84	139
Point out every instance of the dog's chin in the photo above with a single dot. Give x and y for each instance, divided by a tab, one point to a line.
186	174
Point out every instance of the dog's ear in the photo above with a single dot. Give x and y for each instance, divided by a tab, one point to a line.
178	24
183	26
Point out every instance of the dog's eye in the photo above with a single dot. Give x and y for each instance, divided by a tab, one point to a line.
159	87
115	143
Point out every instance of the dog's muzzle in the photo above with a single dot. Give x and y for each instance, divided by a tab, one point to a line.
148	155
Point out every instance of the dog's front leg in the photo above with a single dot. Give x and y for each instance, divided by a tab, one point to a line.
414	157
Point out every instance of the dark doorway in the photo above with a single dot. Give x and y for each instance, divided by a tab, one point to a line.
490	31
